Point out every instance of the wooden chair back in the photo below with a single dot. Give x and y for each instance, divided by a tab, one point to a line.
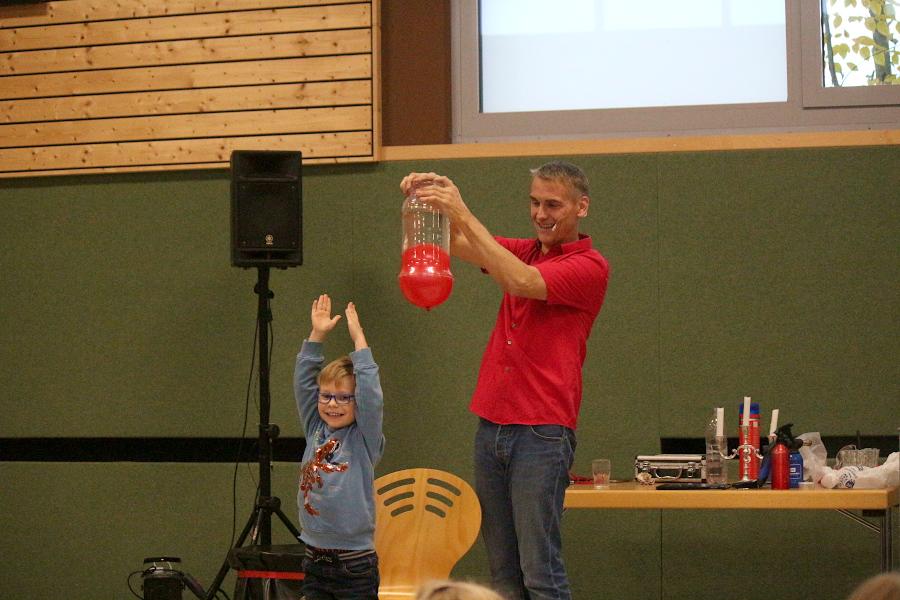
425	521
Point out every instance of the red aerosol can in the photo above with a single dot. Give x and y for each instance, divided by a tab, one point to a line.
780	458
747	437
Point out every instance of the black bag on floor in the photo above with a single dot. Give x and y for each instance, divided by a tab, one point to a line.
268	572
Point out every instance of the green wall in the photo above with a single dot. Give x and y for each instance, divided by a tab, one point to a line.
764	273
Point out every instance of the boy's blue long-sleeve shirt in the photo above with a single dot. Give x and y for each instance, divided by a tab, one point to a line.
345	499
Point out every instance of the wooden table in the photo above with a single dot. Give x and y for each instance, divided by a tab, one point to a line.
876	504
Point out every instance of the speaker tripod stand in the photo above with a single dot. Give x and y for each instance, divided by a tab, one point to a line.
259	526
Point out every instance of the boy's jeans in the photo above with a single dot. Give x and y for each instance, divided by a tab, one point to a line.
349	579
521	476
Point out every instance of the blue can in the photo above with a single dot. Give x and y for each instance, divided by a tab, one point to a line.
795	469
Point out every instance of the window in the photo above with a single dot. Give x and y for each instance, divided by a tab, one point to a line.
851	55
601	54
614	68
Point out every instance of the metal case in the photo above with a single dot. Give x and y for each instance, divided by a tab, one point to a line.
671	467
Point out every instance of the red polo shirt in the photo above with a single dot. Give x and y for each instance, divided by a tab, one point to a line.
531	370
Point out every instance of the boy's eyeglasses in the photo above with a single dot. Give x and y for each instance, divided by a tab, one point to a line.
341	399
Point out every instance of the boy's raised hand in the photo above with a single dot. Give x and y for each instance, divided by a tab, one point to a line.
355	329
322	321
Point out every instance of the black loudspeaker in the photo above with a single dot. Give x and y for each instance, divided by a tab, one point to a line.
266	209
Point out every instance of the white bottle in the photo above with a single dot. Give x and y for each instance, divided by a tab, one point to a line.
716	448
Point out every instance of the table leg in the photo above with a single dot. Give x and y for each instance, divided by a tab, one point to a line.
887	540
885	531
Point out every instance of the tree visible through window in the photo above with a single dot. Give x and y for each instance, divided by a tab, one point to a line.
860	42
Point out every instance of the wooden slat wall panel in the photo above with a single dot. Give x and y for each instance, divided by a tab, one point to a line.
188	126
87	86
176	152
317	43
192	26
57	13
257	72
292	95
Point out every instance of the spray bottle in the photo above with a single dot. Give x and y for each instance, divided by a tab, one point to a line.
780	457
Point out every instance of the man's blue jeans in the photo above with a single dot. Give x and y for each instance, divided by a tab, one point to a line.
521	476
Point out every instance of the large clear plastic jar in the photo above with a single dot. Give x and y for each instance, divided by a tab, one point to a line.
425	277
716	450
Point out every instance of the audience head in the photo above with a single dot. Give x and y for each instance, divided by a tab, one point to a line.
455	590
880	587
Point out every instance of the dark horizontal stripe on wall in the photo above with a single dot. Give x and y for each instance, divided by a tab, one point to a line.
833	443
208	450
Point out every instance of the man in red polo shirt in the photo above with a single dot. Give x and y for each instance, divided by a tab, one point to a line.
529	386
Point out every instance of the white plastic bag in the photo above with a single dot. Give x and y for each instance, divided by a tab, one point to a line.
863	478
815	468
815	456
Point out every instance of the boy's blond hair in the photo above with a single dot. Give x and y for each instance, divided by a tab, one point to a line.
336	370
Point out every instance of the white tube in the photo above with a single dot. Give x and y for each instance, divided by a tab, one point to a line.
720	421
746	420
774	424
